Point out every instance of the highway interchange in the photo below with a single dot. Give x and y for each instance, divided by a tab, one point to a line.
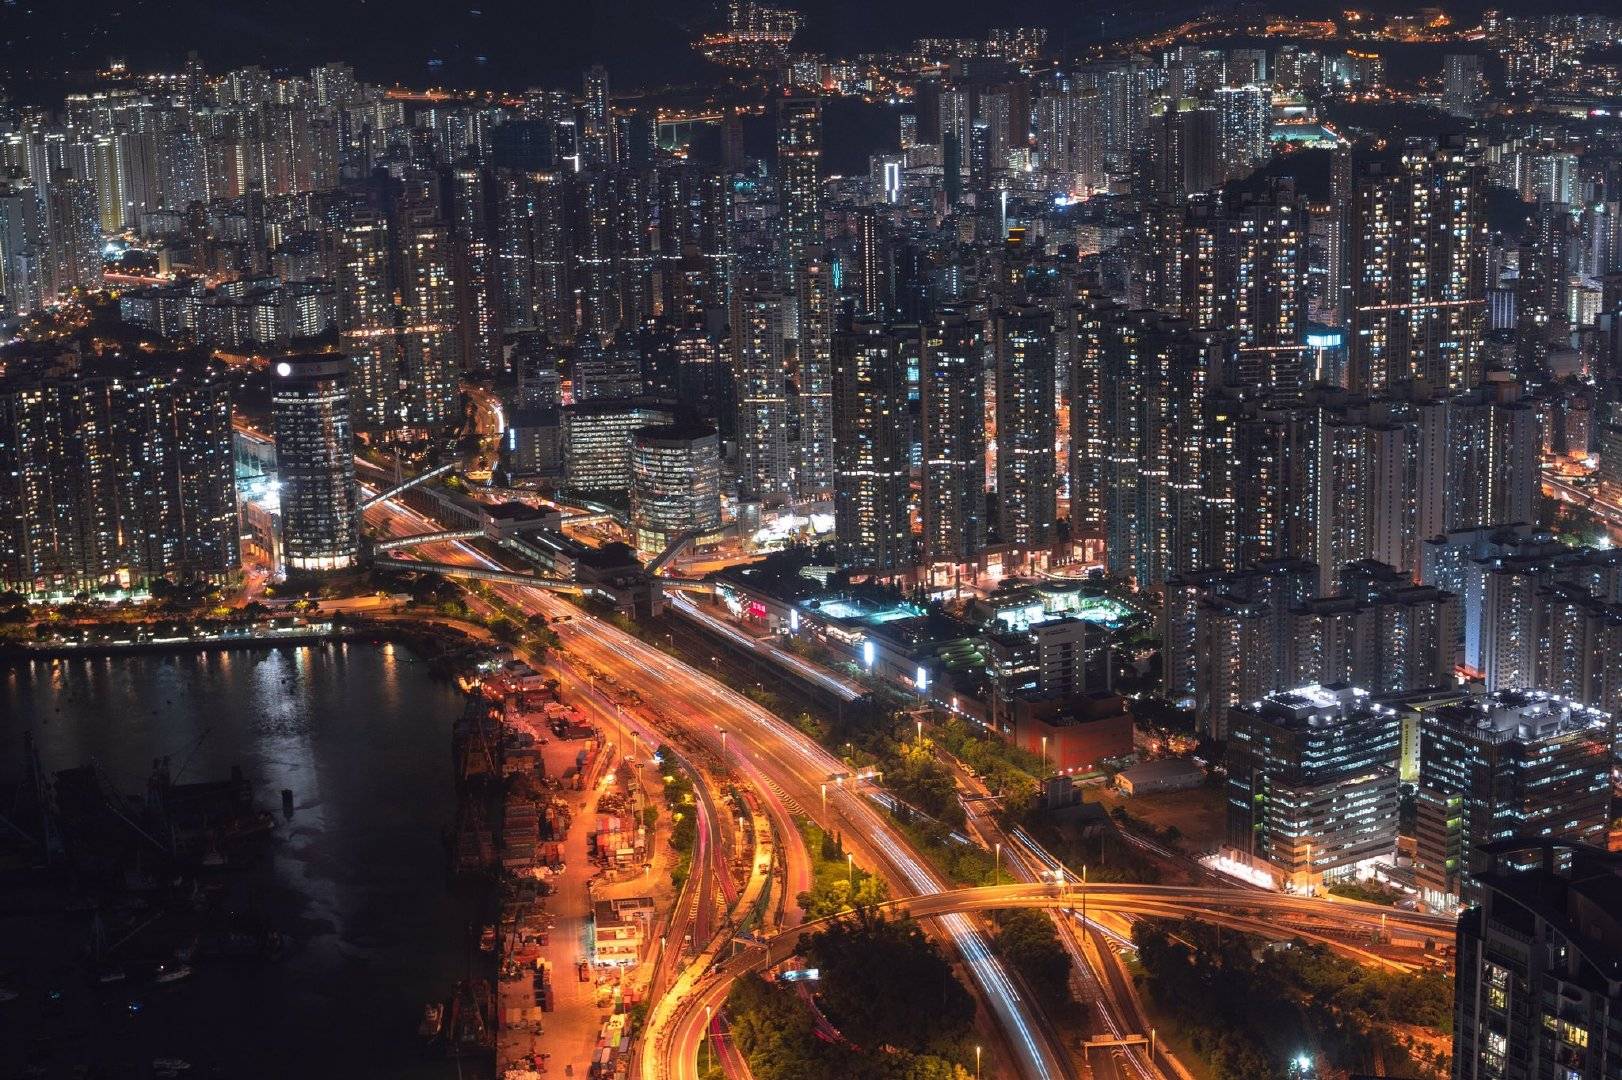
787	773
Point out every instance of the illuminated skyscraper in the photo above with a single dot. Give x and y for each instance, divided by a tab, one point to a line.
1417	263
1543	289
114	471
1245	123
1269	290
597	146
427	329
366	318
814	297
1462	84
1155	375
1027	472
875	281
871	488
315	463
73	235
695	242
479	320
22	263
765	467
799	180
952	384
675	483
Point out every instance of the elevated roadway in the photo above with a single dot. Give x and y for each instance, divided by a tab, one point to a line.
781	764
674	1056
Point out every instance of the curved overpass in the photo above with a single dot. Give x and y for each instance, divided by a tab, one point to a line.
678	1035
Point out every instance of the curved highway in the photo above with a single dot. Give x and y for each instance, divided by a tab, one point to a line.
1254	913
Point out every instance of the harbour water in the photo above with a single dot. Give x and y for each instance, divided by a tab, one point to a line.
356	879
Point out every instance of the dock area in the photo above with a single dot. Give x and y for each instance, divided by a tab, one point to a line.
563	811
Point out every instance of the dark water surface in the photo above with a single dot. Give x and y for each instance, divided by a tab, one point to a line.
357	878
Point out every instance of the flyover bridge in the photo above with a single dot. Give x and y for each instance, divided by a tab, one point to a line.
480	574
406	485
676	1027
427	538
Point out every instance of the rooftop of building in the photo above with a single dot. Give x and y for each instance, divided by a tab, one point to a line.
679	431
1582	898
1024	606
1519	716
1315	706
1161	769
619	406
906	624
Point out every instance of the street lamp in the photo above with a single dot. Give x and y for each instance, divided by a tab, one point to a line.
850	865
977	1062
1044	753
920	734
709	1038
997	871
825	798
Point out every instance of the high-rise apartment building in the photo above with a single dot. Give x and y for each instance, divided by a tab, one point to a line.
1462	84
765	466
814	299
799	180
871	483
114	471
478	301
1026	416
1538	988
1417	258
23	272
1155	373
952	387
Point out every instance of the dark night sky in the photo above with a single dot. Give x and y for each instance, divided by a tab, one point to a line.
513	43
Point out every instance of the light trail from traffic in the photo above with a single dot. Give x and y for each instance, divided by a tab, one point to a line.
806	765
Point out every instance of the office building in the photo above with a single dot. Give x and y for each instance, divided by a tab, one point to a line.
315	462
1312	783
675	483
1513	764
599	437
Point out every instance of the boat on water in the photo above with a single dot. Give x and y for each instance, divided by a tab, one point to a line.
108	976
433	1020
7	994
172	974
166	1066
